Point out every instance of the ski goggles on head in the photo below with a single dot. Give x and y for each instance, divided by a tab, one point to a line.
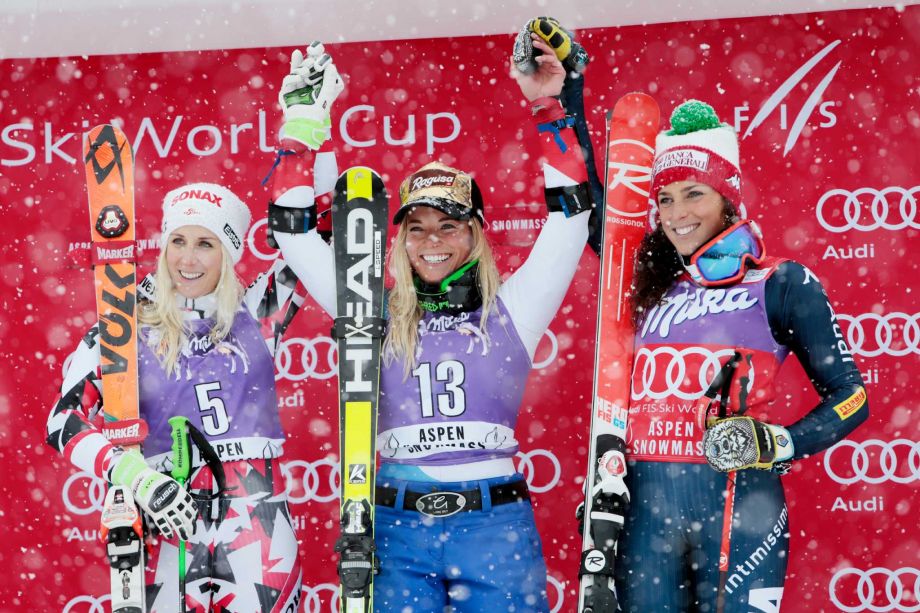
726	258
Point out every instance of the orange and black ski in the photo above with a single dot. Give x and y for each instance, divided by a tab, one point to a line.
109	163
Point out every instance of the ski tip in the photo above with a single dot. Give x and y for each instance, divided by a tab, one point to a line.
636	109
360	182
106	134
105	130
634	97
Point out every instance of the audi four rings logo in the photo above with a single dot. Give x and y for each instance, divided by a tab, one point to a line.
255	246
315	596
664	371
553	351
871	335
88	604
312	481
867	208
308	481
83	493
319	481
873	461
854	590
542	475
555	592
301	358
324	598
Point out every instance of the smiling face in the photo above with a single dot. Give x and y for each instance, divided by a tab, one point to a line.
691	213
193	258
436	243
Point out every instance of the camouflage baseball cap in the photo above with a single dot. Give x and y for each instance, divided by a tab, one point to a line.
441	187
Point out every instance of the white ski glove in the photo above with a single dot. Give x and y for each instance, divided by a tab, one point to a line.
165	502
736	443
307	94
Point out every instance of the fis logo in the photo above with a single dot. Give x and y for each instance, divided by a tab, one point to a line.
357	473
777	101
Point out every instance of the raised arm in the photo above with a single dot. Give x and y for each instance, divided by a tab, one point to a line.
534	292
306	171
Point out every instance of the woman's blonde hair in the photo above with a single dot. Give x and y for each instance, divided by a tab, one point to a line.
402	305
168	332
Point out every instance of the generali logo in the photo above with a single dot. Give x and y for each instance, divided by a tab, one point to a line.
807	74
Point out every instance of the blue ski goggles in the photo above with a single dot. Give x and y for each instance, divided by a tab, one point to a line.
726	258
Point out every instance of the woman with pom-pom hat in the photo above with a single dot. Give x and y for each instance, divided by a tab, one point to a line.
707	529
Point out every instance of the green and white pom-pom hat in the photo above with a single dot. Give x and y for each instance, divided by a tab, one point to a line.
698	147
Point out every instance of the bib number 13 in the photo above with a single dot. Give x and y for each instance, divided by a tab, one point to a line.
214	419
452	402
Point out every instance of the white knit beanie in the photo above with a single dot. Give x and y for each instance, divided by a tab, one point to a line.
700	148
210	206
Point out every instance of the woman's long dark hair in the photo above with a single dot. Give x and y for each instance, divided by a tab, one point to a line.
657	267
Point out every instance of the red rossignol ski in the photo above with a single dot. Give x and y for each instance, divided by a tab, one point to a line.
631	133
109	163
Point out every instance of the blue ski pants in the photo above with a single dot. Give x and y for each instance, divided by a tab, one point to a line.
469	562
668	555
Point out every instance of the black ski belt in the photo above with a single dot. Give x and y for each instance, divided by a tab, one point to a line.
441	503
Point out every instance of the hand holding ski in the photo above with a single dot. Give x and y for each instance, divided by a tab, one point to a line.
165	502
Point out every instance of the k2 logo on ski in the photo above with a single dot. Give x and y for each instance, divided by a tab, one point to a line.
357	473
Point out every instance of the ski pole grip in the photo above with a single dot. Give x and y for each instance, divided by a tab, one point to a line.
180	449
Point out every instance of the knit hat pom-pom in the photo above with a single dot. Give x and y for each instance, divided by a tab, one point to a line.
693	116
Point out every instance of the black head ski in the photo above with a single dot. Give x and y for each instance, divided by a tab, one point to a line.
359	233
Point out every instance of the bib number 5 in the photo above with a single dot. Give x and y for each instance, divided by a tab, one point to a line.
213	412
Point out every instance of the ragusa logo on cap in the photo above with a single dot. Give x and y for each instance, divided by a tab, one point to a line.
429	178
198	194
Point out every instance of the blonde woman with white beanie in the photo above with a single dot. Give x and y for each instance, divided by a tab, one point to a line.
206	351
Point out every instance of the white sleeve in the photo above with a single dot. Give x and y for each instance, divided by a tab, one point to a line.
311	259
535	291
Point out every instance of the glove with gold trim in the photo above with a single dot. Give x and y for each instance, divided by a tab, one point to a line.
736	443
572	55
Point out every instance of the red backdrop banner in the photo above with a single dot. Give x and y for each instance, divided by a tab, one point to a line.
827	107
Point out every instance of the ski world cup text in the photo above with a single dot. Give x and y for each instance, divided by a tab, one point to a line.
25	143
